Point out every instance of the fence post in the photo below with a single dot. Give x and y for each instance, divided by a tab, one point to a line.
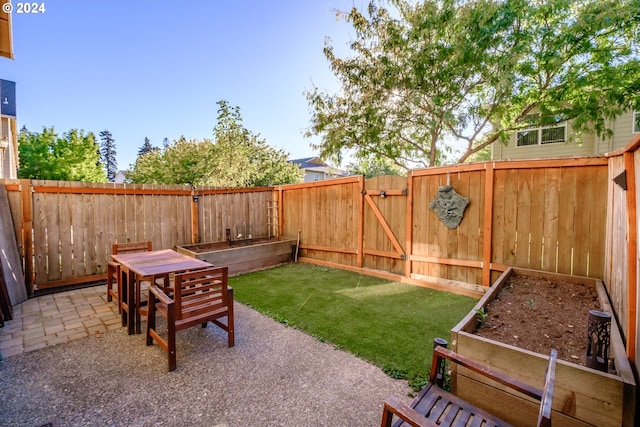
360	256
487	241
27	232
195	218
409	226
280	210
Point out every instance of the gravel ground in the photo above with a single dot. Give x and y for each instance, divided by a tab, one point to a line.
274	376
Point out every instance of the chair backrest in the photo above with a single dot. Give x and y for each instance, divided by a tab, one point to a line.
121	248
200	292
544	416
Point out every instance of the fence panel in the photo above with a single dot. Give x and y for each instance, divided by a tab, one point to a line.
440	252
327	214
384	237
75	224
545	215
551	218
243	212
616	271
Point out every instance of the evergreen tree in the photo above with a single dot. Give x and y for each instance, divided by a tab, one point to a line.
147	147
108	154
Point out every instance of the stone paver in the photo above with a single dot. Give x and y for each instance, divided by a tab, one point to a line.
54	319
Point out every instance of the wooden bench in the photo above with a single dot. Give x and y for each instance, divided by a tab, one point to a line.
436	407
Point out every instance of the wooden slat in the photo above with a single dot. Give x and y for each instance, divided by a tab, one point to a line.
598	224
632	251
11	276
66	207
448	261
409	225
550	221
535	232
474	223
497	241
566	220
523	219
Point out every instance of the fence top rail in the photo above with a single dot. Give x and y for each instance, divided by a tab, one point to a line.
98	190
633	145
333	181
513	164
77	187
203	191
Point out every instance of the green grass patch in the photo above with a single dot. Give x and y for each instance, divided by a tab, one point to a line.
390	324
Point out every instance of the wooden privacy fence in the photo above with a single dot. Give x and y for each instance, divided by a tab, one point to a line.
544	214
562	215
622	253
65	229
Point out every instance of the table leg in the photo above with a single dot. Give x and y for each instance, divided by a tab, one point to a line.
137	305
124	304
131	284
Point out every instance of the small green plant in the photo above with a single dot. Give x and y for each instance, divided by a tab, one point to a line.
278	317
394	372
418	382
481	316
532	304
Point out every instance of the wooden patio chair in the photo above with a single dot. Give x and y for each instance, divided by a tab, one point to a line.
436	407
198	297
114	276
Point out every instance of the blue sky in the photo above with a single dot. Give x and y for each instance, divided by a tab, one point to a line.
156	68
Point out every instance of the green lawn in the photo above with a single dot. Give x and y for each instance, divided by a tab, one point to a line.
390	324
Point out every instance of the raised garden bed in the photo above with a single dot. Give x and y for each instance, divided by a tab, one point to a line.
583	396
242	256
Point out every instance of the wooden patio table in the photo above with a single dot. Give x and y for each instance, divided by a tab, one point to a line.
140	266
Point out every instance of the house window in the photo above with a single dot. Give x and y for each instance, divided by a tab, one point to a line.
535	135
636	121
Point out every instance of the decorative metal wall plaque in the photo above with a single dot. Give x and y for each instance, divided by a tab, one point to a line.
449	206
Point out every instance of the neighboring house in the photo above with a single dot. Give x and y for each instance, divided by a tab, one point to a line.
553	141
8	127
121	177
316	170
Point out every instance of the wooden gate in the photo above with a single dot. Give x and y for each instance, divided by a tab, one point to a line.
385	211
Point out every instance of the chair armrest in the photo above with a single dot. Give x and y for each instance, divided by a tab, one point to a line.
160	295
405	413
441	352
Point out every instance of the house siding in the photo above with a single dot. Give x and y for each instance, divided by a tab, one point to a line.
590	144
622	131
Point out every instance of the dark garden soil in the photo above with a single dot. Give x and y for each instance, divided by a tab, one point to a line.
209	247
538	315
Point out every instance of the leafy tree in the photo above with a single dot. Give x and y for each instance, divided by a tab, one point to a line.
234	158
72	157
243	158
108	154
374	166
147	147
423	75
